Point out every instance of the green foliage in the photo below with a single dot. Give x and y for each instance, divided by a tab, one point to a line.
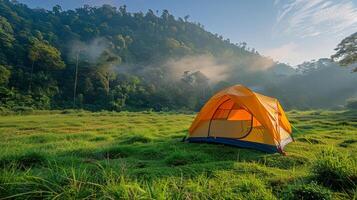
106	58
6	34
46	56
346	51
90	46
335	170
4	76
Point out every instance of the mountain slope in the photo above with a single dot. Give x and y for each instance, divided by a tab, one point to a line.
41	48
107	58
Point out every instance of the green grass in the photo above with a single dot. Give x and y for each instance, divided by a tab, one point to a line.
139	155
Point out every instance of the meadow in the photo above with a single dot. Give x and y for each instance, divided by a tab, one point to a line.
140	155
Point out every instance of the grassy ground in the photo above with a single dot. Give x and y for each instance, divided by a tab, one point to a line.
72	155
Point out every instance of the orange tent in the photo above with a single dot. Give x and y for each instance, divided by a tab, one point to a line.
238	116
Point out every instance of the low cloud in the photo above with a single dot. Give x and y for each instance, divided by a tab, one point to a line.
215	71
89	51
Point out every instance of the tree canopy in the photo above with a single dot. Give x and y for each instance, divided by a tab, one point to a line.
43	53
108	58
346	51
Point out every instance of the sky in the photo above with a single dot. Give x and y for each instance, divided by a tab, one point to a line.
289	31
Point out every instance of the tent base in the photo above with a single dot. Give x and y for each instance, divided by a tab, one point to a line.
234	142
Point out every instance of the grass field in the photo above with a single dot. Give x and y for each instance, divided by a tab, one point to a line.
132	155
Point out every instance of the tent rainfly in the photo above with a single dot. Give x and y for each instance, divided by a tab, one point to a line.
240	117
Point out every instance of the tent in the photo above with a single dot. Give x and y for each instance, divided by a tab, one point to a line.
240	117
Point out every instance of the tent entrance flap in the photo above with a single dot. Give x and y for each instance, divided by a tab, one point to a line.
230	121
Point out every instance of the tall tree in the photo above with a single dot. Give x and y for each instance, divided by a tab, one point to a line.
46	56
347	51
4	76
6	34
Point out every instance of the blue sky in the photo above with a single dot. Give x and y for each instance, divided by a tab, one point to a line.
290	31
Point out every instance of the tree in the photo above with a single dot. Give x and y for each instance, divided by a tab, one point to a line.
4	76
47	56
6	34
105	68
129	44
5	93
43	84
57	9
347	51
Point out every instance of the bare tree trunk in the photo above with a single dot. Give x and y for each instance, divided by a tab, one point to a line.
108	82
75	81
30	84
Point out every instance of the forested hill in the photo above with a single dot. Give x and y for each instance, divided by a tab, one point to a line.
124	59
107	58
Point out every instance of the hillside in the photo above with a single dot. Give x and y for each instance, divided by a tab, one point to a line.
99	58
317	84
125	60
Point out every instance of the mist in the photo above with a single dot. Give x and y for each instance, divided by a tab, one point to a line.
212	68
89	51
305	87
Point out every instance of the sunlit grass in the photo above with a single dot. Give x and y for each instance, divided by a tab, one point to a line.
133	155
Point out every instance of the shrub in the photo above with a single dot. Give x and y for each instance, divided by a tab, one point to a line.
351	104
306	191
335	170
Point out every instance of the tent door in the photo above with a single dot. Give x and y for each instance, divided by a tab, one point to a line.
230	121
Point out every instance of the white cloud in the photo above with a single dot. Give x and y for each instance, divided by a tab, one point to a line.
310	29
308	18
295	53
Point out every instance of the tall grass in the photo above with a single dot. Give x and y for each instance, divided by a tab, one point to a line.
74	183
335	170
306	191
139	155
